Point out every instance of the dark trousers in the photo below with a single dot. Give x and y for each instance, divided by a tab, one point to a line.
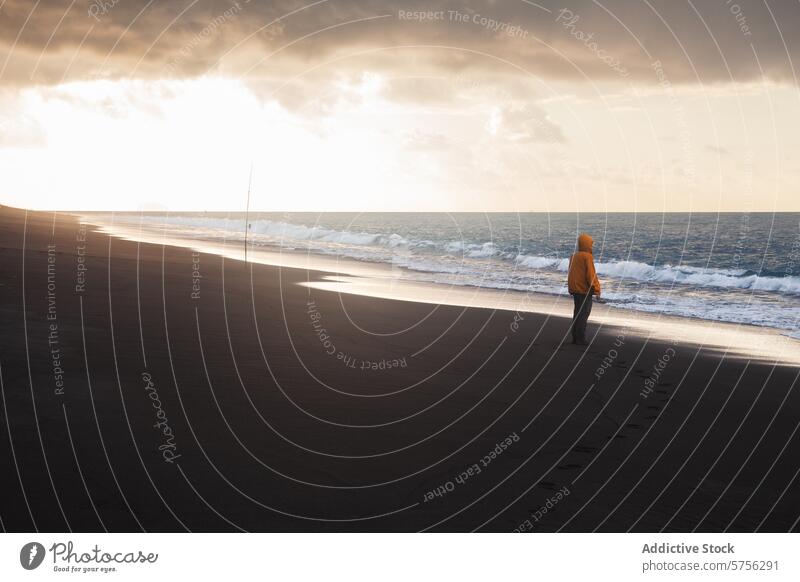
583	307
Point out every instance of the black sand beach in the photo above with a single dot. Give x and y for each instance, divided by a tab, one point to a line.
145	388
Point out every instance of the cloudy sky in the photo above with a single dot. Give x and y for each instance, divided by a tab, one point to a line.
480	105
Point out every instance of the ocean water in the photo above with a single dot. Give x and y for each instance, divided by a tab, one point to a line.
736	267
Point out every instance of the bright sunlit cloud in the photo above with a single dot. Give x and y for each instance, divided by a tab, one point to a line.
188	145
464	105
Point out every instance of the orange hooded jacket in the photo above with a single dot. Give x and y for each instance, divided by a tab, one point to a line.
582	277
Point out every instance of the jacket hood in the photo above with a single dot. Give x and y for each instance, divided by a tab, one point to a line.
585	243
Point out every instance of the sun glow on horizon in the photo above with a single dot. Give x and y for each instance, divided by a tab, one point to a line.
357	146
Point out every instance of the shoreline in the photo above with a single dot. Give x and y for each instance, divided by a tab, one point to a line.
376	280
262	404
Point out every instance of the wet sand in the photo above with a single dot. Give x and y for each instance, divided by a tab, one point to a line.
156	388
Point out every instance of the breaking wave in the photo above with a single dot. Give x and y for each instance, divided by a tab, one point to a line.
358	244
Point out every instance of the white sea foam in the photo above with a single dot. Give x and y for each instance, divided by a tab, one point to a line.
294	235
685	290
668	274
697	277
542	262
482	251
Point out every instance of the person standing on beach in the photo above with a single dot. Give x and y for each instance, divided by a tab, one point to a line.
582	283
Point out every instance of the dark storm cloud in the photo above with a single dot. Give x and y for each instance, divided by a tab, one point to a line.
700	41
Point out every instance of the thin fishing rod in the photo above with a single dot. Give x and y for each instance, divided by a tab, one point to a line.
247	212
